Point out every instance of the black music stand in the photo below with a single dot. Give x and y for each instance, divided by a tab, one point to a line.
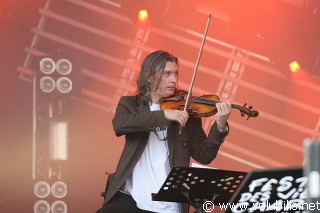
270	190
198	185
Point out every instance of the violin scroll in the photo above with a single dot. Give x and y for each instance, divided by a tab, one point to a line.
249	111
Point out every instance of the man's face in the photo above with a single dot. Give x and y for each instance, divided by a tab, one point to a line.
167	83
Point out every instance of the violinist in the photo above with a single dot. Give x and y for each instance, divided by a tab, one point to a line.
157	140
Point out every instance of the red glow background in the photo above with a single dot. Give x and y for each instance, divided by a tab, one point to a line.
106	46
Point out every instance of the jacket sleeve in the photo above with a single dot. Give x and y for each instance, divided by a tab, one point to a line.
128	119
204	149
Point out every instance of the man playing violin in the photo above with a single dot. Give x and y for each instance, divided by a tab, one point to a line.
157	140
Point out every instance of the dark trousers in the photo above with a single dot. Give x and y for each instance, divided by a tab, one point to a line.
121	203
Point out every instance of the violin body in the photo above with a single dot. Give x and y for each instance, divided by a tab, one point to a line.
178	100
202	106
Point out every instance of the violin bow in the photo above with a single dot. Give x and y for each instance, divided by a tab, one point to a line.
196	66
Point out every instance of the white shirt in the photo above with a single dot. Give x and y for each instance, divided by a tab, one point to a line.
150	173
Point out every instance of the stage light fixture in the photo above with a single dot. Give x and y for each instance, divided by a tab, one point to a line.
146	13
294	66
47	66
59	80
47	84
41	206
58	138
64	66
143	15
64	85
59	206
59	189
42	189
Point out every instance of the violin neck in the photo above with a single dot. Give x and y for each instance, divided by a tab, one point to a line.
212	102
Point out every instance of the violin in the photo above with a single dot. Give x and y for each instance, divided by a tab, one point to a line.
203	106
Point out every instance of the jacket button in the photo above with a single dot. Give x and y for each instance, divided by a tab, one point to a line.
129	173
157	129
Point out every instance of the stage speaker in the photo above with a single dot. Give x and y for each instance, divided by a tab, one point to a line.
312	171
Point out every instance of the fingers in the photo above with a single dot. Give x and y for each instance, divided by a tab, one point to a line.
183	118
175	115
224	111
224	108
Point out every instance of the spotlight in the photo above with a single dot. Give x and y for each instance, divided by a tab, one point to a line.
59	206
41	206
59	80
47	84
143	15
64	66
47	66
64	85
41	189
58	139
59	189
294	66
